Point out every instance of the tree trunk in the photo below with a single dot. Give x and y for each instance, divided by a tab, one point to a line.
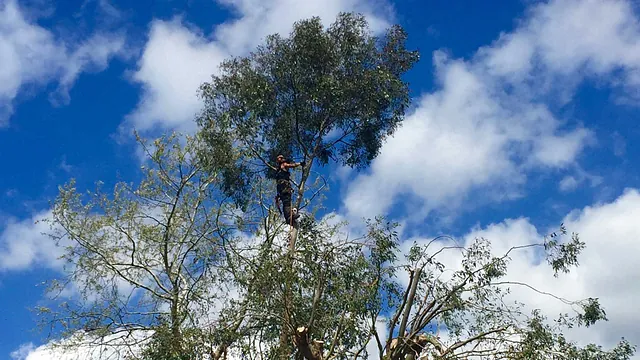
409	305
176	336
293	235
286	324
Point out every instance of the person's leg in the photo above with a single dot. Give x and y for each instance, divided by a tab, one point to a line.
286	207
287	214
285	192
284	197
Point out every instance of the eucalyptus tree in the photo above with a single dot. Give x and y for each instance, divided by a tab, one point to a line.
148	265
318	95
470	299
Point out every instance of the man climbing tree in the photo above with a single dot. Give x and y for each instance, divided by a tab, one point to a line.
284	189
323	93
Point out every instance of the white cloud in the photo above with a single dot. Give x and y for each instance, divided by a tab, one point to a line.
174	64
23	245
489	123
568	183
259	18
92	55
565	37
579	177
178	58
600	35
22	352
465	136
113	347
608	267
32	56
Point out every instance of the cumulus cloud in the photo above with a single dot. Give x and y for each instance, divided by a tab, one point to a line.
32	56
178	57
467	135
490	122
568	183
258	18
23	245
608	267
113	347
566	37
175	62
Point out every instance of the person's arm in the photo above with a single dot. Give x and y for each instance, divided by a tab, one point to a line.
287	165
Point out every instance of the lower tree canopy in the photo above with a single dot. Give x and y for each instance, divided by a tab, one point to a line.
165	259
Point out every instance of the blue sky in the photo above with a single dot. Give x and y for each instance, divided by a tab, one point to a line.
527	111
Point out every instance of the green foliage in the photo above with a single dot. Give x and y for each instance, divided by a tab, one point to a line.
563	256
318	94
336	285
166	345
540	340
141	252
173	241
473	304
591	313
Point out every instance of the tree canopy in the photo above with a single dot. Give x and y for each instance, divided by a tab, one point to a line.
319	94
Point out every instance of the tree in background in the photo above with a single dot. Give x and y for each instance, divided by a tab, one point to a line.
143	258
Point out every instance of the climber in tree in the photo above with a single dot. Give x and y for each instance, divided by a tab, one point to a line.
284	189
